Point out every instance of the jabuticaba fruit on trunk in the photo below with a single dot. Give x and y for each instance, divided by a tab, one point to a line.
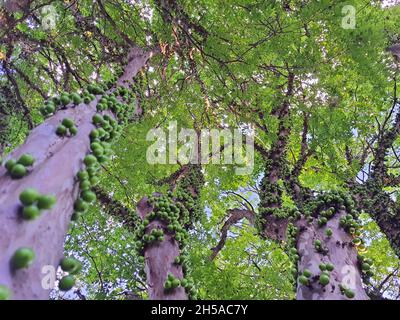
57	160
328	251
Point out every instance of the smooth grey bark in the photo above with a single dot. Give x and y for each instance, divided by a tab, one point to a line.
58	159
159	259
340	252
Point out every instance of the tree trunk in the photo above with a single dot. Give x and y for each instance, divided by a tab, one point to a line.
57	161
337	250
160	256
160	259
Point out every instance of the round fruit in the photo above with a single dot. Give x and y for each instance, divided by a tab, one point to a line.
329	232
324	279
322	267
67	122
94	180
89	160
73	130
70	265
85	185
97	118
66	283
329	267
83	175
365	266
349	293
10	164
28	196
65	100
23	258
307	273
176	283
18	171
303	280
75	216
30	212
5	293
46	201
167	284
50	109
61	130
80	205
88	196
26	160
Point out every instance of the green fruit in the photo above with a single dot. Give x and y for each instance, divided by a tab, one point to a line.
18	171
85	185
23	258
68	123
65	100
70	265
349	293
30	212
365	267
83	175
66	283
88	196
80	205
73	130
329	232
329	267
28	196
317	243
87	100
184	283
324	279
49	109
76	98
61	130
94	180
26	160
46	201
75	216
89	160
307	273
176	283
322	267
98	152
303	280
10	164
97	118
167	285
5	293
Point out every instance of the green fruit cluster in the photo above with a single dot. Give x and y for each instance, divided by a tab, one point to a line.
73	267
346	291
18	169
33	203
365	265
155	235
67	126
51	105
172	283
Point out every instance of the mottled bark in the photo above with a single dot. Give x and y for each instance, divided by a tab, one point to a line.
159	259
57	162
340	252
